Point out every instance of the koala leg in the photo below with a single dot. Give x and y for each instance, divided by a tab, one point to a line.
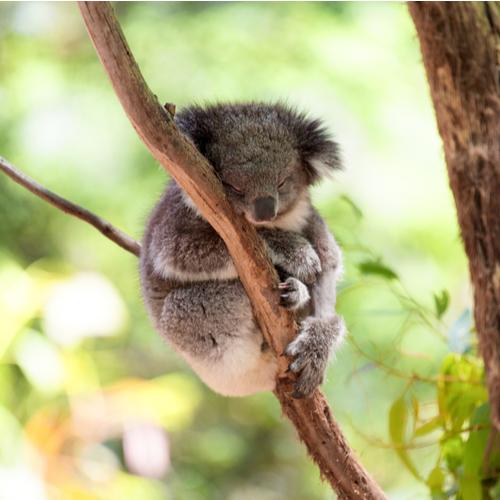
211	325
317	338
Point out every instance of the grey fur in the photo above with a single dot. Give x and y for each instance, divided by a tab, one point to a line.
190	286
294	294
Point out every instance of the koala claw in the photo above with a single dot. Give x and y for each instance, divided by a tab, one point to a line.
293	293
310	366
310	350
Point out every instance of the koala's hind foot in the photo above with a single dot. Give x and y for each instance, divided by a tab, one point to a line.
317	338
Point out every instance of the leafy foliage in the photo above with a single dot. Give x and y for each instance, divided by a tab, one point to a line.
463	428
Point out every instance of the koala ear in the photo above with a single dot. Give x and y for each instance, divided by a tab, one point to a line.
319	153
195	122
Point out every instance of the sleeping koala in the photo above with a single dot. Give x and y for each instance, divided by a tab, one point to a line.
266	156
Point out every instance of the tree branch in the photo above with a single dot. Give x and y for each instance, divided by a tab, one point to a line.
103	226
311	417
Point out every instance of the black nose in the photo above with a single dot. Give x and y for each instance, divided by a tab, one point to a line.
265	208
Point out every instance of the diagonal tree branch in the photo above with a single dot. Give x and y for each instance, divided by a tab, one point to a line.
111	232
311	417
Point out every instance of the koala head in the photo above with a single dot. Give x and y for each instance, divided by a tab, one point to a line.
266	155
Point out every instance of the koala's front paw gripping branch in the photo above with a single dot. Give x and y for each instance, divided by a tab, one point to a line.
311	417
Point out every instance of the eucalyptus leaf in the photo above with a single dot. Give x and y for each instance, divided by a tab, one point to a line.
435	479
398	420
429	426
476	443
355	208
452	450
441	302
470	488
377	268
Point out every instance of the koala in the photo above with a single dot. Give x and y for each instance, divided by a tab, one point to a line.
266	156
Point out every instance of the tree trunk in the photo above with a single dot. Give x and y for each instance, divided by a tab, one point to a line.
460	44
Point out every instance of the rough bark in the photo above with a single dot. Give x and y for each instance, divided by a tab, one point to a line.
312	417
460	45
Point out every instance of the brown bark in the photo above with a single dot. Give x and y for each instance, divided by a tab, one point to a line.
460	45
312	417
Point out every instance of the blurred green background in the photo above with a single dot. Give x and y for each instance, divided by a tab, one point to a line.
93	404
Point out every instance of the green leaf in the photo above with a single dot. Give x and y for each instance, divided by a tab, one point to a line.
441	302
429	426
470	488
435	480
476	443
357	211
458	400
398	420
376	267
452	450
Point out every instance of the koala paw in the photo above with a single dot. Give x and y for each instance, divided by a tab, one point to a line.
304	265
294	294
311	350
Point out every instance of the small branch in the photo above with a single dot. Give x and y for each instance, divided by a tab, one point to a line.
103	226
312	417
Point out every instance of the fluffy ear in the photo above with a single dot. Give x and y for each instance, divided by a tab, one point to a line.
319	153
195	122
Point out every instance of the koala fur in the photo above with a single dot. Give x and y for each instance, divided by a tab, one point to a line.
266	155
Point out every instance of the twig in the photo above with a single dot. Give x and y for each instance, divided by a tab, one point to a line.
311	417
411	377
111	232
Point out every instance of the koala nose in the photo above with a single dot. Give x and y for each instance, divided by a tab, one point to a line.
265	208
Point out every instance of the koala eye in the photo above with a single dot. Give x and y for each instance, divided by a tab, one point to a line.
283	182
232	188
